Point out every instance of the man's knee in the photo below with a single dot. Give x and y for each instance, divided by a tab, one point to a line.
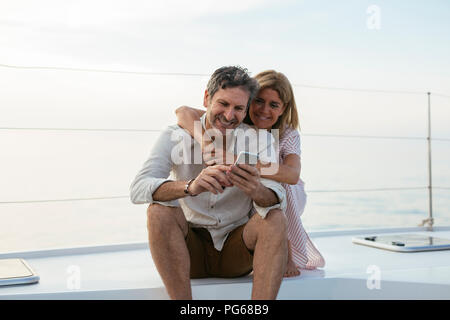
276	220
271	229
162	218
159	216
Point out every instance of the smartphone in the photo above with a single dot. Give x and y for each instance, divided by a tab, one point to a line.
247	158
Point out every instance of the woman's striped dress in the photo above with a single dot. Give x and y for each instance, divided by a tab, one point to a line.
304	254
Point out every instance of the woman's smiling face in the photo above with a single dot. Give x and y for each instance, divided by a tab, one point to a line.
266	108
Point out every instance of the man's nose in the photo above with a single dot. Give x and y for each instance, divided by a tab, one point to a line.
229	114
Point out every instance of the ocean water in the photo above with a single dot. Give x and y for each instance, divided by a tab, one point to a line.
56	165
83	165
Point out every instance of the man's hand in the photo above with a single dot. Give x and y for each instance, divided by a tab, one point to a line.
213	155
246	178
212	179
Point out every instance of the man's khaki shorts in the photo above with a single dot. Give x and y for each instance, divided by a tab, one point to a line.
234	260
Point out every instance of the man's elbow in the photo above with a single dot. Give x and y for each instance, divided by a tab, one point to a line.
134	194
133	198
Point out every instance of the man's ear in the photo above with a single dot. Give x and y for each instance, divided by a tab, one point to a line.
205	99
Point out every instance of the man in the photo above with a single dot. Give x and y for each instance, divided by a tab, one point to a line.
198	222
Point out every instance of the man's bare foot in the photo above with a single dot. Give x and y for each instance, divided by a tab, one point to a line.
291	270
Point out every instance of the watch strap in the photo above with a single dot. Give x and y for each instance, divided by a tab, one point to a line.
186	188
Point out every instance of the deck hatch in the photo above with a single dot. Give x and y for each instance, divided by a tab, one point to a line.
404	242
16	271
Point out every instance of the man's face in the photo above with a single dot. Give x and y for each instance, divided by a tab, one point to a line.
226	109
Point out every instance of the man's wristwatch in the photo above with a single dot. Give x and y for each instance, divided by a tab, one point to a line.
186	187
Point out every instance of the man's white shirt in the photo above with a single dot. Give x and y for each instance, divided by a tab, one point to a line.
176	156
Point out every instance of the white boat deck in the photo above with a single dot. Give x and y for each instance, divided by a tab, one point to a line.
126	271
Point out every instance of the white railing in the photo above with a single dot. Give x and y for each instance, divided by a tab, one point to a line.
428	222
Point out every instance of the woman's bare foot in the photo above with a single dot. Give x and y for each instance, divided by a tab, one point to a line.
291	270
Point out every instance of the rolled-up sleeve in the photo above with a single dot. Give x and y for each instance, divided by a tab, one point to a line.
155	170
279	191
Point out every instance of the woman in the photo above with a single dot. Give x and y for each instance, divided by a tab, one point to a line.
274	108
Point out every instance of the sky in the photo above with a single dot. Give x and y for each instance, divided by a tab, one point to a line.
399	45
316	42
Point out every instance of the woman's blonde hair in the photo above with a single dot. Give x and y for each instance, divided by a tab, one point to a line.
279	82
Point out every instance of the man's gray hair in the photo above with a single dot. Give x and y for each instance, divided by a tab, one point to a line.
231	77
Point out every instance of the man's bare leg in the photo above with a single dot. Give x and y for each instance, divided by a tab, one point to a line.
167	229
268	238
